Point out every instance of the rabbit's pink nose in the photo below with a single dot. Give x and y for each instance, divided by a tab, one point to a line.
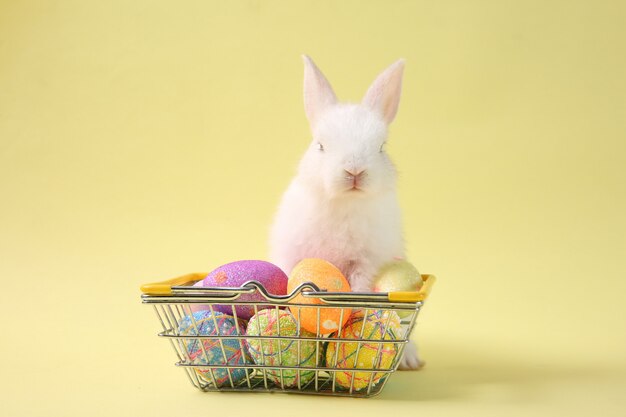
354	173
355	177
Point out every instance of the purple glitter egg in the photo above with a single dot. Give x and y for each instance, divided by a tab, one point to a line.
235	274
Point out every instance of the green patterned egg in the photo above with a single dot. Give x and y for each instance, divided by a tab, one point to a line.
282	352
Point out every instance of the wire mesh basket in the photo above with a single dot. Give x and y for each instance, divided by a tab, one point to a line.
272	352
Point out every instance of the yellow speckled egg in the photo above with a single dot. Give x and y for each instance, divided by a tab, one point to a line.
365	330
398	275
327	277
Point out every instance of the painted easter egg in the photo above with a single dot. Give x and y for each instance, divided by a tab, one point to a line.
235	274
398	275
327	277
282	352
365	330
208	352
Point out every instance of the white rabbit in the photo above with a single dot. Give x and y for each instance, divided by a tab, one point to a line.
342	205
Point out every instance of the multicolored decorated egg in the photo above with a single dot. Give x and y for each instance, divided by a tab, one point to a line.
378	325
398	275
235	274
282	352
327	277
208	352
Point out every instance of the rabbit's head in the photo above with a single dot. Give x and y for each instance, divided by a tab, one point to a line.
347	157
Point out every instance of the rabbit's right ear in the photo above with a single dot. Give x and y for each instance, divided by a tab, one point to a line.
318	94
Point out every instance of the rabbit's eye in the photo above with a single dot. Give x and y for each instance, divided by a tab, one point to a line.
382	146
320	147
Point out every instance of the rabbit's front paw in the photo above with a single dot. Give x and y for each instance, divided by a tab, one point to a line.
410	358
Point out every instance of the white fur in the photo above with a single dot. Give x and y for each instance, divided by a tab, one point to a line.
321	215
410	358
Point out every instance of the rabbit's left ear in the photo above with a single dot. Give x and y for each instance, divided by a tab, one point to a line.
383	95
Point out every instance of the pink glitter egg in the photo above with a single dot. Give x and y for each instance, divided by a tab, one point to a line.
235	274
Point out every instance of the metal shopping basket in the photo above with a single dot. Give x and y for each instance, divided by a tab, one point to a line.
338	367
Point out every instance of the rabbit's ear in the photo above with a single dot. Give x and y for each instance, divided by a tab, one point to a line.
383	95
318	94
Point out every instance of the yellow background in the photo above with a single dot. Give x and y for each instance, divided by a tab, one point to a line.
140	140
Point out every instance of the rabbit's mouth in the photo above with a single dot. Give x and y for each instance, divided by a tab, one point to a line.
355	189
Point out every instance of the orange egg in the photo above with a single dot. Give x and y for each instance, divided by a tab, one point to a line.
327	277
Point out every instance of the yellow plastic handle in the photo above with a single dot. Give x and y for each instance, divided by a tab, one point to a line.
165	287
414	296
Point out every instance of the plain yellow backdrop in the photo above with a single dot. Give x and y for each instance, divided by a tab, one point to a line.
140	140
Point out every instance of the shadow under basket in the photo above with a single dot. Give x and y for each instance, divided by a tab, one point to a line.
219	351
